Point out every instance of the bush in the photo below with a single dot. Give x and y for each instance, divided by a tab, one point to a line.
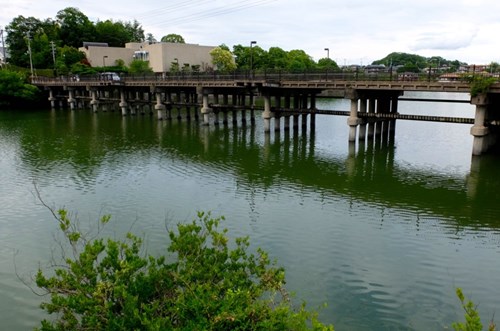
203	284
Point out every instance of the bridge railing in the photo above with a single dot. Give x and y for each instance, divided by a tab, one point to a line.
269	75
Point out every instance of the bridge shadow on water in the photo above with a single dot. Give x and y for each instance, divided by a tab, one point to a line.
368	173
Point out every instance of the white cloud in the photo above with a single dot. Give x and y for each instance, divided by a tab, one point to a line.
354	30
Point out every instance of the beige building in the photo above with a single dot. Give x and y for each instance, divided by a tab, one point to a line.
161	56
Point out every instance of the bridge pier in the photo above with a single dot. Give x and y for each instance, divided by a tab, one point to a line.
94	103
266	115
52	99
353	121
485	134
159	107
71	99
205	110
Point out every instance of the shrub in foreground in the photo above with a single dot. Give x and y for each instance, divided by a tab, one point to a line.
204	282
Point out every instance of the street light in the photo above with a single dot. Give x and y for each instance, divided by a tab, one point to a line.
104	60
327	53
251	56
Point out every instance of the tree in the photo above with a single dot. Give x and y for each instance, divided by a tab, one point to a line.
18	32
140	67
173	38
327	63
299	60
222	59
207	284
277	58
14	88
472	319
75	27
150	38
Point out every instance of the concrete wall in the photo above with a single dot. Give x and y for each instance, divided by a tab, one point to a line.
161	55
96	54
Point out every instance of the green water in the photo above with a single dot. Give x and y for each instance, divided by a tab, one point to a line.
383	233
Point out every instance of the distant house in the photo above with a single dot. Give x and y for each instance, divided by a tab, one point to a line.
160	55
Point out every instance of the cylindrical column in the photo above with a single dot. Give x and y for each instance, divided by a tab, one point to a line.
94	102
71	99
371	122
479	130
266	115
123	104
353	119
206	110
52	99
160	107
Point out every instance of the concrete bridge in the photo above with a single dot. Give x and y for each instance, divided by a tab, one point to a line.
291	97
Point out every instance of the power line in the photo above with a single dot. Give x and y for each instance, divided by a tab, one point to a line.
214	12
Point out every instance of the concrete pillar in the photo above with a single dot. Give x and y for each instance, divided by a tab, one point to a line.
266	115
52	99
71	99
159	106
94	102
123	104
353	119
479	130
206	110
296	107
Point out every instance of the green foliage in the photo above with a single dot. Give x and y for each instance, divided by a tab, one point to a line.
222	59
205	283
472	319
480	84
140	67
173	38
14	88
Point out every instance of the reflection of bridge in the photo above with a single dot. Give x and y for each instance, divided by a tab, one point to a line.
373	111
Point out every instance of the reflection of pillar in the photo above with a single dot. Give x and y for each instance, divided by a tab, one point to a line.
206	110
252	108
287	116
296	106
362	127
123	105
243	108
313	112
473	177
266	115
371	123
479	130
277	117
225	99
217	111
160	107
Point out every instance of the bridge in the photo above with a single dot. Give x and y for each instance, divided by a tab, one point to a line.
373	110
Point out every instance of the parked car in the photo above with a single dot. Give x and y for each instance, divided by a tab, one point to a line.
109	76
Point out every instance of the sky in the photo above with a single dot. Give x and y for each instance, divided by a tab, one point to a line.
354	31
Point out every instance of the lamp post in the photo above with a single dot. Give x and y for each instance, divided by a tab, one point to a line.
104	60
327	53
253	42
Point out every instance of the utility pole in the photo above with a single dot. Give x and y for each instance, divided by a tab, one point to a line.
3	46
29	51
53	45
